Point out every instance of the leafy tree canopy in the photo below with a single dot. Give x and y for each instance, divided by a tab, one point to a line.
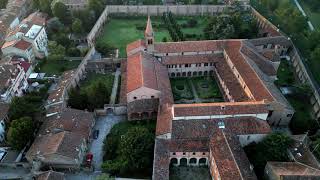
61	11
272	148
20	132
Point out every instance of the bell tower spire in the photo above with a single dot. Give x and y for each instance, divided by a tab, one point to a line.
149	36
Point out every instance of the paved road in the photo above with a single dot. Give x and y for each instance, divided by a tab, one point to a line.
103	124
115	87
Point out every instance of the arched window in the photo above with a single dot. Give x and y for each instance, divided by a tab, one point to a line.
193	161
200	73
184	74
183	162
173	74
202	161
194	73
189	74
174	161
178	74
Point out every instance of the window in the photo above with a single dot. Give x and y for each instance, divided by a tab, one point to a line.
193	153
152	96
204	153
135	97
184	153
180	65
182	53
166	54
205	64
248	138
174	153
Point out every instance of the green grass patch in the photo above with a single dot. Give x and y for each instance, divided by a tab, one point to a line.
181	89
119	32
206	87
56	67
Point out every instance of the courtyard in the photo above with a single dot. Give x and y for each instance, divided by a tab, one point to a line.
189	173
195	90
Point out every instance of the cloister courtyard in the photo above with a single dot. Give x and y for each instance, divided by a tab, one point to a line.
195	90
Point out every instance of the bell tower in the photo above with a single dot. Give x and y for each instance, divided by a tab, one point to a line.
149	36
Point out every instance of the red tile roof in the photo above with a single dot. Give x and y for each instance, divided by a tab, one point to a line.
191	59
225	108
135	45
205	128
292	169
141	72
229	157
23	45
253	82
189	46
148	31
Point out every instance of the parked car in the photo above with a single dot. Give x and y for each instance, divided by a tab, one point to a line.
95	134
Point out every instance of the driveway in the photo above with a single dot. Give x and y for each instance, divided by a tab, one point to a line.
103	124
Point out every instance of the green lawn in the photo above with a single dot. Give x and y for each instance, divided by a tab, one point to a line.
313	15
119	32
206	87
56	67
181	89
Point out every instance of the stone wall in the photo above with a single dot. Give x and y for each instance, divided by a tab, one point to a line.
158	10
153	10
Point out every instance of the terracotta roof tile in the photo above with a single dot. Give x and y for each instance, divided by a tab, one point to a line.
225	108
293	169
23	45
205	128
253	82
141	72
189	46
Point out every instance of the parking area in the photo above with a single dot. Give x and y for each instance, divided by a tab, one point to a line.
104	125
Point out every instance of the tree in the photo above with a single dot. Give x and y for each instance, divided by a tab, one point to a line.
98	93
20	132
295	24
3	4
274	147
45	6
134	153
77	26
96	6
24	106
77	100
104	48
56	51
73	52
219	27
61	11
54	25
315	55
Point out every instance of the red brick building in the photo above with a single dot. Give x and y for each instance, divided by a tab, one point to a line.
210	134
